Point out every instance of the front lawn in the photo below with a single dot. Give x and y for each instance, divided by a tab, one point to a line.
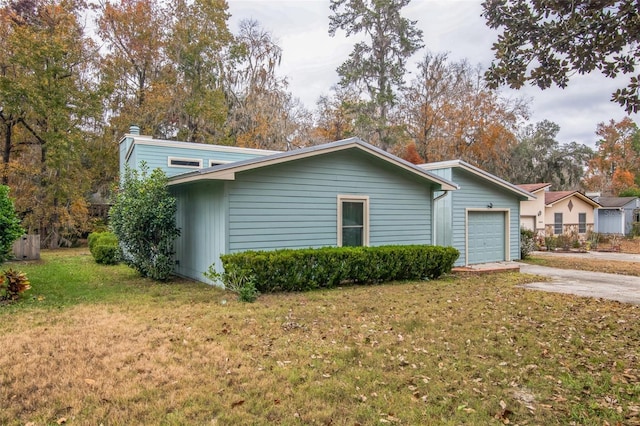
94	344
584	263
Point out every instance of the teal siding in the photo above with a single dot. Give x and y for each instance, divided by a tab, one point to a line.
157	156
477	193
201	218
294	205
442	212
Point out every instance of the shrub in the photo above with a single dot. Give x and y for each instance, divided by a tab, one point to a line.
564	241
12	283
10	229
551	243
143	218
104	248
307	269
241	282
527	242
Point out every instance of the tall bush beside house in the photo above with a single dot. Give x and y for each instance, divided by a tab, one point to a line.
10	229
527	242
143	218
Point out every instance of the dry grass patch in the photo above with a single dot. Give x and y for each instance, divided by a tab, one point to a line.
586	264
469	350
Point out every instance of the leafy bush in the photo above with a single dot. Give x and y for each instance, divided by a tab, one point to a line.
12	283
241	282
307	269
10	229
564	242
143	218
527	242
551	243
104	248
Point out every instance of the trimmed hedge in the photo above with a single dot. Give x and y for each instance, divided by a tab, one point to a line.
104	248
307	269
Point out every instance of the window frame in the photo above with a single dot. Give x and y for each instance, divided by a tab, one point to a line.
557	225
582	224
362	199
183	166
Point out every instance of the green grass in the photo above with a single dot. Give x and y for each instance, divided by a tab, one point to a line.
93	344
64	278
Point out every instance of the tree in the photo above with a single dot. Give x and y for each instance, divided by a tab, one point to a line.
143	218
336	114
616	165
544	42
10	229
449	113
538	157
49	91
135	67
196	51
262	113
378	65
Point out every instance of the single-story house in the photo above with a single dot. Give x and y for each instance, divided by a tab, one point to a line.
617	215
482	218
565	212
230	199
532	212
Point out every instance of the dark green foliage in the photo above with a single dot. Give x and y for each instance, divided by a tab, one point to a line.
12	283
545	42
539	157
527	242
307	269
630	192
377	62
104	248
10	229
143	218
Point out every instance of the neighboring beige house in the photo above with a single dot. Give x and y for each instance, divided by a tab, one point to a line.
557	212
532	213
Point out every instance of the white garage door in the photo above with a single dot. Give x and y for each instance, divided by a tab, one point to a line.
486	237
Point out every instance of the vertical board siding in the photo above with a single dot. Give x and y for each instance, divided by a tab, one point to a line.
294	205
201	219
610	221
442	211
477	193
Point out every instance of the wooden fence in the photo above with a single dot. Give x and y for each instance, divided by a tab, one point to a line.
27	247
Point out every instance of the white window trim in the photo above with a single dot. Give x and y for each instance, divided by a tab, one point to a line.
364	199
198	160
218	162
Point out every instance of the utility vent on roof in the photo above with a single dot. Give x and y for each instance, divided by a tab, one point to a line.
193	163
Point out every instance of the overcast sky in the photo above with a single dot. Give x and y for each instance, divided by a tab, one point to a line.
310	57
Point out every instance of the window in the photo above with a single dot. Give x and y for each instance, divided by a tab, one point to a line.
557	225
190	163
582	223
353	221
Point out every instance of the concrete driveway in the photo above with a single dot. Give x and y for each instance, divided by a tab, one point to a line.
622	288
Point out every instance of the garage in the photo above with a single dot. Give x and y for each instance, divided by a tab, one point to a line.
486	236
